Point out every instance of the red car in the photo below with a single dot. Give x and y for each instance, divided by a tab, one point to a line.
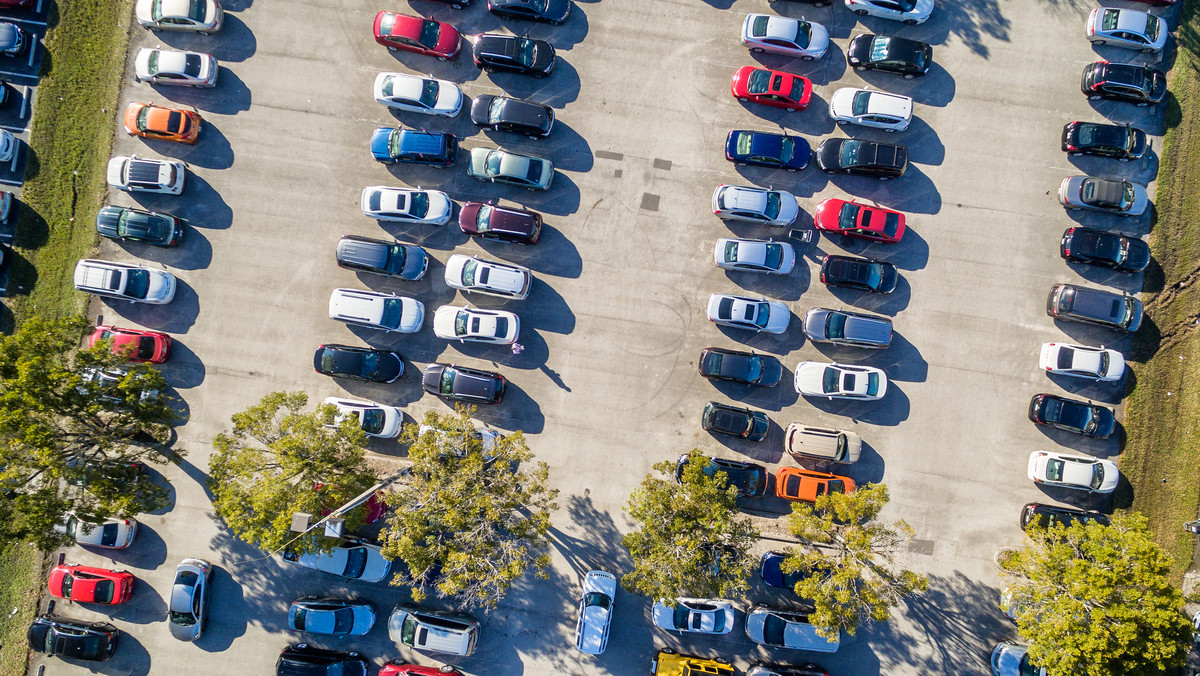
414	34
16	4
771	88
91	585
135	344
400	668
859	220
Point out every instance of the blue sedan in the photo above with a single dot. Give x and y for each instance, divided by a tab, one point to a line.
778	151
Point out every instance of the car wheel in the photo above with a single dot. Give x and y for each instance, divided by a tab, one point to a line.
1095	97
743	99
137	79
756	50
806	57
1142	104
884	178
391	48
1099	42
1081	155
446	668
790	170
1073	209
456	5
119	570
740	164
910	22
1149	51
489	71
442	58
539	76
889	131
667	651
397	662
830	172
860	68
302	646
790	110
204	33
861	12
720	660
1122	159
909	76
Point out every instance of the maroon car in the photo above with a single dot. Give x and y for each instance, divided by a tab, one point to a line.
16	4
519	226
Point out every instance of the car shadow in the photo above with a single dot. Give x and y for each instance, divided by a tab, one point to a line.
184	370
194	251
228	613
813	121
1121	281
934	89
130	659
787	287
518	411
230	96
174	317
212	151
777	344
553	255
910	253
439	237
829	68
744	447
889	304
1086	334
914	192
1110	393
545	310
1100	448
201	205
890	411
557	90
234	42
147	553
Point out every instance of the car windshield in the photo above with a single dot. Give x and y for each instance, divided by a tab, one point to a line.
461	321
849	153
731	249
597	599
494	159
429	93
1109	19
835	325
393	311
525	52
891	224
762	314
848	216
874	276
137	283
484	220
830	381
773	628
879	48
836	486
534	173
145	347
182	617
872	384
343	620
418	204
744	140
496	110
191	65
356	562
1152	24
797	92
1104	355
430	30
1126	195
773	258
196	10
408	630
372	420
859	105
468	272
774	201
759	81
396	255
787	149
1054	469
1097	475
803	34
143	114
447	384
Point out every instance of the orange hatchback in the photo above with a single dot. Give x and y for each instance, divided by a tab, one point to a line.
805	485
169	124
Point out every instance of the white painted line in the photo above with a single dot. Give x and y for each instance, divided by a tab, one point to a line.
39	7
8	182
16	74
13	18
28	94
13	129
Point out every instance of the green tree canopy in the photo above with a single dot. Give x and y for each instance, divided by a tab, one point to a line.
279	459
848	561
468	521
69	438
1097	600
689	538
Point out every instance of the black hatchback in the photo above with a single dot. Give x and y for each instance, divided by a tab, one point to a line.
1141	85
549	11
74	639
358	363
859	273
1072	415
1119	141
1105	249
735	421
504	114
1037	515
749	478
301	659
463	384
748	368
865	158
527	56
909	58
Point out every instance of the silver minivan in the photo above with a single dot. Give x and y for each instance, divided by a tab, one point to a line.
822	443
841	327
438	631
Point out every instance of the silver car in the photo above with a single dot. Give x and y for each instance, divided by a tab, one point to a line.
331	617
853	329
754	205
1114	196
754	255
187	612
1128	28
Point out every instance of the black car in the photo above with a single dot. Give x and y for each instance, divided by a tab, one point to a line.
1120	141
909	58
549	11
74	639
378	257
456	4
504	114
1072	303
359	363
1105	249
866	158
527	56
1123	82
301	659
136	225
859	273
1044	516
766	149
14	41
748	368
809	669
1072	415
749	479
463	384
735	421
770	569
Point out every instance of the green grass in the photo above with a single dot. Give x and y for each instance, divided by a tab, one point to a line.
20	587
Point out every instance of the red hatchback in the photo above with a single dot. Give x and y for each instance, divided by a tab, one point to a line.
771	88
135	344
414	34
400	668
91	585
859	220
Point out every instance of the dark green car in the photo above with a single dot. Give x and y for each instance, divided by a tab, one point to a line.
127	223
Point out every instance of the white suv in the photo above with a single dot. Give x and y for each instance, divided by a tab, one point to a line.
869	108
133	283
384	311
377	420
138	174
468	273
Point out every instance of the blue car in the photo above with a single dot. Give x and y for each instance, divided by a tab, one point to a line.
771	572
391	145
778	151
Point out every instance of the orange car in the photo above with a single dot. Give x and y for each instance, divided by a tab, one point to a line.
169	124
796	483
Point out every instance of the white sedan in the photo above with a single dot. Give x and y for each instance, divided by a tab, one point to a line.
1128	28
1097	363
595	612
376	420
198	16
1078	472
112	534
754	205
869	108
755	314
423	207
840	381
418	94
695	616
352	560
172	67
754	255
911	12
786	36
476	325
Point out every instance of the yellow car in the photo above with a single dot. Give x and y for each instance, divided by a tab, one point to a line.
669	663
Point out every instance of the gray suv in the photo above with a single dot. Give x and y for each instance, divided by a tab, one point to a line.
822	325
1092	306
390	259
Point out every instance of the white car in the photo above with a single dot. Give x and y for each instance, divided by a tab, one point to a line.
506	280
755	314
138	174
351	560
476	325
1128	28
783	35
422	207
755	205
595	612
8	145
376	420
487	437
754	255
695	616
173	67
1097	363
199	16
375	310
123	281
112	534
911	12
786	628
418	94
1110	195
869	108
840	381
1079	472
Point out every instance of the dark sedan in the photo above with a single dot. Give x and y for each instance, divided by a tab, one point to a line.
735	421
463	384
1105	249
74	639
866	158
302	659
765	149
749	479
493	52
909	58
504	114
771	571
137	225
518	226
859	273
1072	415
1037	515
550	11
14	41
1119	141
735	366
358	363
1140	85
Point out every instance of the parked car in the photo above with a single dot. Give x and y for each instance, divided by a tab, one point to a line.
734	421
902	56
851	219
1012	659
806	669
14	40
766	149
1072	415
504	280
785	628
138	174
496	52
1114	196
840	381
506	224
399	667
1073	303
86	584
755	205
870	108
376	310
460	443
461	383
1105	249
1078	472
72	639
547	11
850	329
822	443
1098	363
376	420
501	166
773	88
378	257
187	609
595	612
908	12
749	478
123	281
148	120
138	345
350	559
173	67
866	158
114	387
437	631
416	34
405	205
476	325
694	616
417	94
412	146
806	485
770	569
358	363
197	16
137	225
112	534
754	255
1036	515
506	114
669	663
783	35
1140	85
748	368
755	314
301	659
864	274
1119	141
331	617
1128	28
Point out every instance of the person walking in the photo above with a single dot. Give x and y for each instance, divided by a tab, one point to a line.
517	348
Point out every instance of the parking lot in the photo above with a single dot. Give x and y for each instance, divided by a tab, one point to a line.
607	384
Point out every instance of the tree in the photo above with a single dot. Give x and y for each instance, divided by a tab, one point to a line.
68	439
1097	600
278	460
468	521
849	562
689	540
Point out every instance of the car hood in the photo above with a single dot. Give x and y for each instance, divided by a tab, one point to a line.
379	142
443	321
809	377
558	10
477	165
431	378
543	56
480	107
779	317
1139	254
814	323
840	103
827	153
162	287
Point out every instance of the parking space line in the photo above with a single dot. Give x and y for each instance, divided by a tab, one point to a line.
16	20
10	182
12	128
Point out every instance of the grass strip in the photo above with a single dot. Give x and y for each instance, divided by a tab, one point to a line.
20	587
